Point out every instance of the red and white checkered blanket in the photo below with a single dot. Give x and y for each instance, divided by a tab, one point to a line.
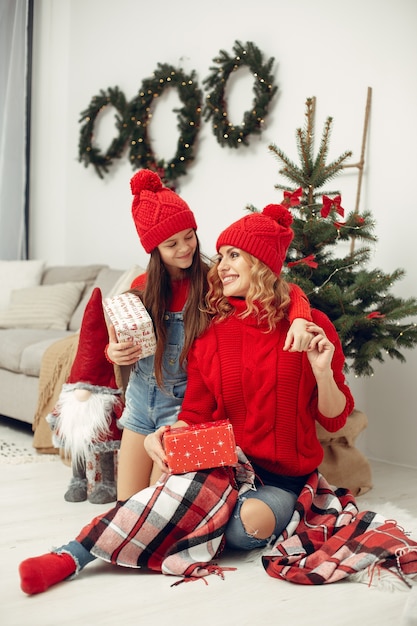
327	540
175	527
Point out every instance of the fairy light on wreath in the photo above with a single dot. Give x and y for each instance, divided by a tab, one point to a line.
88	152
189	118
228	134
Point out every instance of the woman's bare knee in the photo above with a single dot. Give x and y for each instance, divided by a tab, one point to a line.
257	518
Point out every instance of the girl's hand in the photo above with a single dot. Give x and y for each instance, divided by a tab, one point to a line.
154	447
123	353
320	351
298	337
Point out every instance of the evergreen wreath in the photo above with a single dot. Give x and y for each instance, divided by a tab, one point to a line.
90	154
189	118
216	107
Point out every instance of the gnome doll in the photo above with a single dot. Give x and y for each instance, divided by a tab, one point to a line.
85	418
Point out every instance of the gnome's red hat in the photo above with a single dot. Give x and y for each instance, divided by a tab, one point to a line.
90	364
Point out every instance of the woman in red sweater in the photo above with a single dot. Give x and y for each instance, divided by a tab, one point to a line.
238	370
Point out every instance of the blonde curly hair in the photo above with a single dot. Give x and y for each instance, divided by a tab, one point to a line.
268	295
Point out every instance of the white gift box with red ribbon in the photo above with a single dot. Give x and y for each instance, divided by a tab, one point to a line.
131	320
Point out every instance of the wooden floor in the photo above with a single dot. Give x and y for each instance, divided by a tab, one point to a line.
35	518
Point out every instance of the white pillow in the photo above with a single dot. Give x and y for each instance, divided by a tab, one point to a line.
17	275
46	306
125	281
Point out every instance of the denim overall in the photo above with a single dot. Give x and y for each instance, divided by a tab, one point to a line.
147	406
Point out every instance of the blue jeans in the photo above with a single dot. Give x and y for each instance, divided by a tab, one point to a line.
81	555
281	502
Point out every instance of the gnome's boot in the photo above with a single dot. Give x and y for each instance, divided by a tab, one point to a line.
103	485
77	490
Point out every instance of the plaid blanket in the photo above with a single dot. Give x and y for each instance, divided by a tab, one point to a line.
327	540
175	527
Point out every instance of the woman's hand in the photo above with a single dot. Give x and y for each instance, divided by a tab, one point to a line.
154	447
320	351
123	353
331	400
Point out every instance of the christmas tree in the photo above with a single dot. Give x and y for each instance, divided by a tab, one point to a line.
370	320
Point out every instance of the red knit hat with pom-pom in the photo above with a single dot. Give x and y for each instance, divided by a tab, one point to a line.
158	212
266	235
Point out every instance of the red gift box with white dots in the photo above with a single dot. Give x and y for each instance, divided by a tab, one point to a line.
198	447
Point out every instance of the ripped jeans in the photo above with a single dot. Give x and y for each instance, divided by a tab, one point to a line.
281	502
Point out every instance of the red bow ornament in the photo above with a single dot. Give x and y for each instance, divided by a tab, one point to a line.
375	315
308	260
330	204
292	198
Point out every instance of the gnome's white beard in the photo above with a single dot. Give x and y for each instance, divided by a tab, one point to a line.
80	424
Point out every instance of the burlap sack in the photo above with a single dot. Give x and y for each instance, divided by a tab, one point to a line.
343	464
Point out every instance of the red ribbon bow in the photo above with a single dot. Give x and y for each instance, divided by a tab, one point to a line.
308	260
375	315
332	205
292	198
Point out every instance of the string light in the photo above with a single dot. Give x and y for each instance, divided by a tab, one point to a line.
328	279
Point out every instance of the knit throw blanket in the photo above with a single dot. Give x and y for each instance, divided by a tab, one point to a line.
327	540
55	368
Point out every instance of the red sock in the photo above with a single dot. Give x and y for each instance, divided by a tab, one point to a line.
41	572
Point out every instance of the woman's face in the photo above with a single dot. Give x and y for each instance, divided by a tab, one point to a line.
177	252
234	272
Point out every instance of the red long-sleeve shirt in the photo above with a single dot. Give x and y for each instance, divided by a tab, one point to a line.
238	371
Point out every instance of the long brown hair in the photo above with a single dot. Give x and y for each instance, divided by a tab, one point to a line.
156	295
268	294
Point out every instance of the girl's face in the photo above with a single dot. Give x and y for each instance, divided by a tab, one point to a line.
234	272
177	252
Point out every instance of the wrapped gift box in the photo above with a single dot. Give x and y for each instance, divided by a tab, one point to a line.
191	448
131	320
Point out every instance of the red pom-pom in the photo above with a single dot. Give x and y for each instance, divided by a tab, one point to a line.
145	180
279	213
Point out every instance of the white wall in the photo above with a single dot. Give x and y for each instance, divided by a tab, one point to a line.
330	49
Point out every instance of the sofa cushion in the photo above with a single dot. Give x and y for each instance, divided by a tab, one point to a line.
125	281
30	363
71	273
105	280
15	341
17	275
45	306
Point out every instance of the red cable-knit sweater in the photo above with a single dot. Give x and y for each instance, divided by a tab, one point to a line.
238	371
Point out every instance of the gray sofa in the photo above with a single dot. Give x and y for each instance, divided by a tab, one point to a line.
22	349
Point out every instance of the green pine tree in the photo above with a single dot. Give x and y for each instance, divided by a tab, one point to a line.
370	320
